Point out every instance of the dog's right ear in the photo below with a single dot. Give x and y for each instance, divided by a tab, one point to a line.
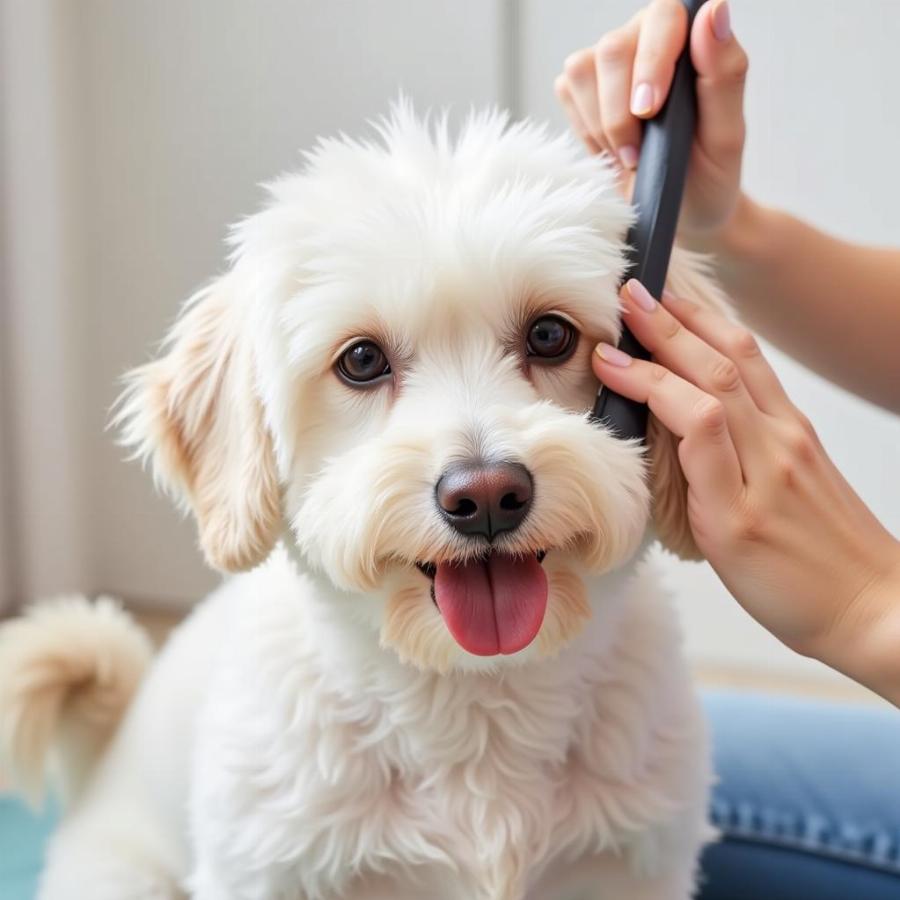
689	277
196	414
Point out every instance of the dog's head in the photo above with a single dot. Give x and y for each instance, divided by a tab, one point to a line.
394	374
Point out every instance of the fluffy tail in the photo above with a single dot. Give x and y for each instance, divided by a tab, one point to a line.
68	670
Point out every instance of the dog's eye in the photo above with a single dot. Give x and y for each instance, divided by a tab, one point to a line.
363	363
550	340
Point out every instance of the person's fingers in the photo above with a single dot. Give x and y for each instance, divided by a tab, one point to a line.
707	455
662	38
740	346
721	65
613	58
581	82
566	100
679	349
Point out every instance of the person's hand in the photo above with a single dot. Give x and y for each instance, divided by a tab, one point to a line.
607	89
775	518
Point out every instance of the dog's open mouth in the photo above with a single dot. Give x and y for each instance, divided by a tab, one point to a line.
491	605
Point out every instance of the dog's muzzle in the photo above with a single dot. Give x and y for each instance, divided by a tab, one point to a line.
493	603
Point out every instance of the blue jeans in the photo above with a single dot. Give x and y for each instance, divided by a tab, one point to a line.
808	800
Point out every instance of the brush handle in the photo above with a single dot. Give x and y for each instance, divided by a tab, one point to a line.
658	188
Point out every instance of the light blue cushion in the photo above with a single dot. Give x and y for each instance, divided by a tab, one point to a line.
23	836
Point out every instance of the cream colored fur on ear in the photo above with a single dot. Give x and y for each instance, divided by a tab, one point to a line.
196	415
689	277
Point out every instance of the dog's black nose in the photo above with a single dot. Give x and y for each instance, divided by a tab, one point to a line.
485	498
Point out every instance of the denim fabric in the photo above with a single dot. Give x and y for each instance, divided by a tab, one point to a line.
808	800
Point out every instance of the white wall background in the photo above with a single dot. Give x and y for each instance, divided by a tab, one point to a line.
135	130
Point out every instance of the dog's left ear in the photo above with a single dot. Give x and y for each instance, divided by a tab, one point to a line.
196	414
688	277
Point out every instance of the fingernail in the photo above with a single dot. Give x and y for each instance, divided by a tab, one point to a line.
641	296
613	355
642	99
669	297
628	156
721	21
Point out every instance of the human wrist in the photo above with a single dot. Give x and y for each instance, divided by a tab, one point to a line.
740	240
880	659
864	644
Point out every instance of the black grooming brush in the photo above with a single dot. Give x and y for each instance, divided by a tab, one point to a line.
658	187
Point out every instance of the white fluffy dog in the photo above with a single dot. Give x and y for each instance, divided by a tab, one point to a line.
443	675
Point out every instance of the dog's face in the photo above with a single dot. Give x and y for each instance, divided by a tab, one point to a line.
396	372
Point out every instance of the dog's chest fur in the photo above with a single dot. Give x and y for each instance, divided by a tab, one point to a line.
342	767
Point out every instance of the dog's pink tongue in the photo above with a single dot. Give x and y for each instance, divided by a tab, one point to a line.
492	606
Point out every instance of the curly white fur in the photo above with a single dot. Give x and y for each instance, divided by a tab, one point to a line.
68	670
314	732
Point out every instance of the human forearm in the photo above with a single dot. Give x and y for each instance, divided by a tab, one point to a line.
834	306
